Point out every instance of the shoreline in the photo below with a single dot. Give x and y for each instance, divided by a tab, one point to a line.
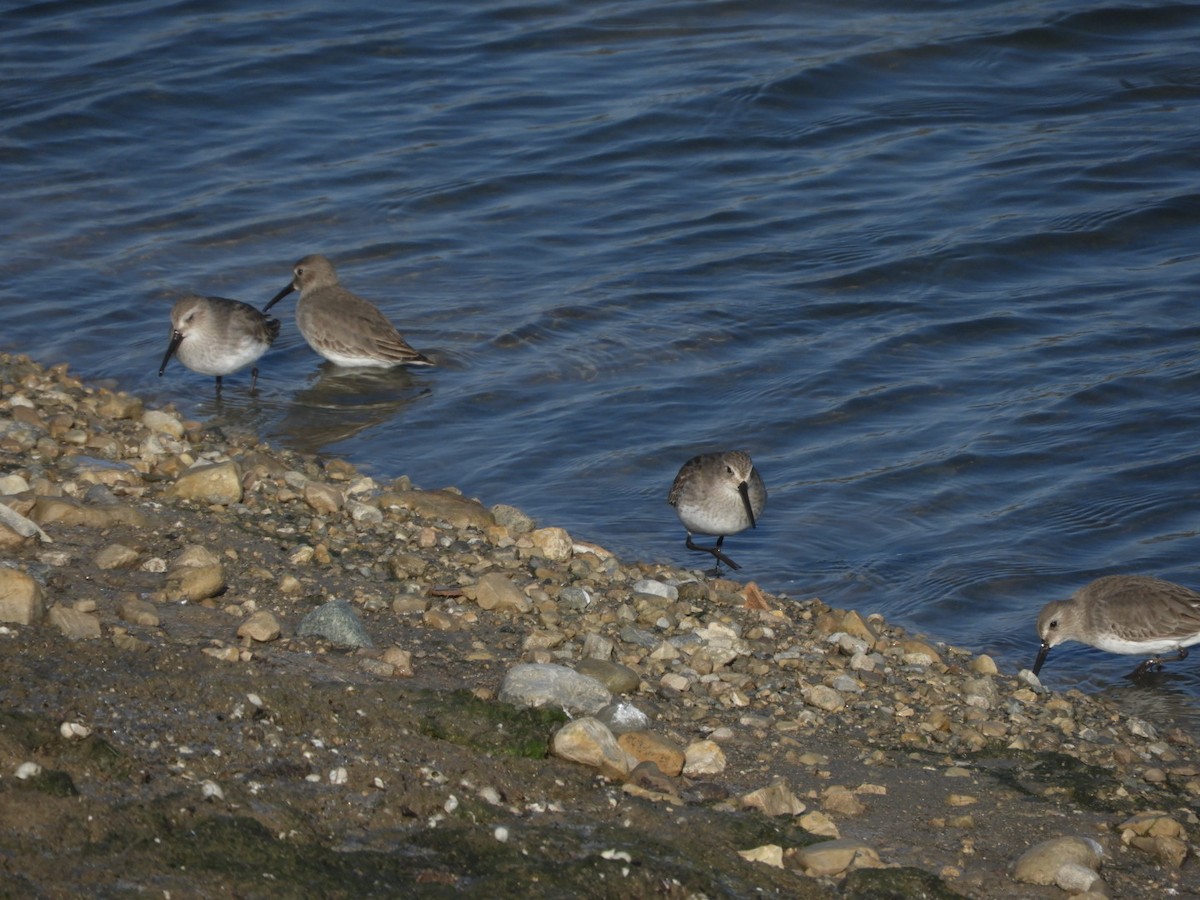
192	738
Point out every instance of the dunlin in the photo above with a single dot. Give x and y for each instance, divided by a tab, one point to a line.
215	336
1130	614
718	494
341	326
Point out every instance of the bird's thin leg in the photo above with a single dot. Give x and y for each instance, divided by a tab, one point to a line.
254	378
1156	662
715	551
218	385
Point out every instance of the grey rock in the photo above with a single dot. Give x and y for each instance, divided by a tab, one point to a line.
621	717
534	684
513	519
573	598
656	589
336	622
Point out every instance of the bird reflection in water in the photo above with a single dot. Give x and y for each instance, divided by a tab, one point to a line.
341	403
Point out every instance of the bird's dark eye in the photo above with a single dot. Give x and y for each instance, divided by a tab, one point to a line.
1053	624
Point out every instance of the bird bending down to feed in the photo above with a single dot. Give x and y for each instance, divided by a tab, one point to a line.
718	494
216	336
1129	614
340	325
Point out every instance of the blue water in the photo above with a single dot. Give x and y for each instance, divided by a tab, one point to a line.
936	267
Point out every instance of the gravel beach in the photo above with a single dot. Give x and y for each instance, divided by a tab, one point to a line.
227	669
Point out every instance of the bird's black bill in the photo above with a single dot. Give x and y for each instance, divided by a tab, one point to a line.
744	490
1041	657
287	290
176	340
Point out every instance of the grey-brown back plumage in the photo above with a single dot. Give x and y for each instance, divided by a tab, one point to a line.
342	326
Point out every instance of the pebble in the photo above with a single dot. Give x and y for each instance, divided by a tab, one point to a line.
621	716
769	854
75	625
818	823
655	589
219	484
336	622
645	746
1041	863
515	520
704	758
444	506
616	678
18	530
116	556
22	600
65	511
552	543
496	591
74	730
262	626
400	661
157	420
775	800
841	800
139	612
823	697
835	857
574	599
588	742
324	498
1157	833
195	583
535	685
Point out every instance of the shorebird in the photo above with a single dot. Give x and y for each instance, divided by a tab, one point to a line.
340	325
215	336
1129	614
718	494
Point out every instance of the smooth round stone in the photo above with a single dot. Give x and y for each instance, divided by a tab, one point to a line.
617	678
1041	863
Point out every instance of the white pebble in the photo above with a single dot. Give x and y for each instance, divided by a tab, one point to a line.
210	790
451	804
71	730
491	795
27	770
339	775
1142	728
501	834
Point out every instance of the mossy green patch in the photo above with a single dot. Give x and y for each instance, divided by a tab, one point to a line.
1032	773
54	782
499	729
28	731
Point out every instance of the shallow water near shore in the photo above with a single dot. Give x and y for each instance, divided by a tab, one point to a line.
936	269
